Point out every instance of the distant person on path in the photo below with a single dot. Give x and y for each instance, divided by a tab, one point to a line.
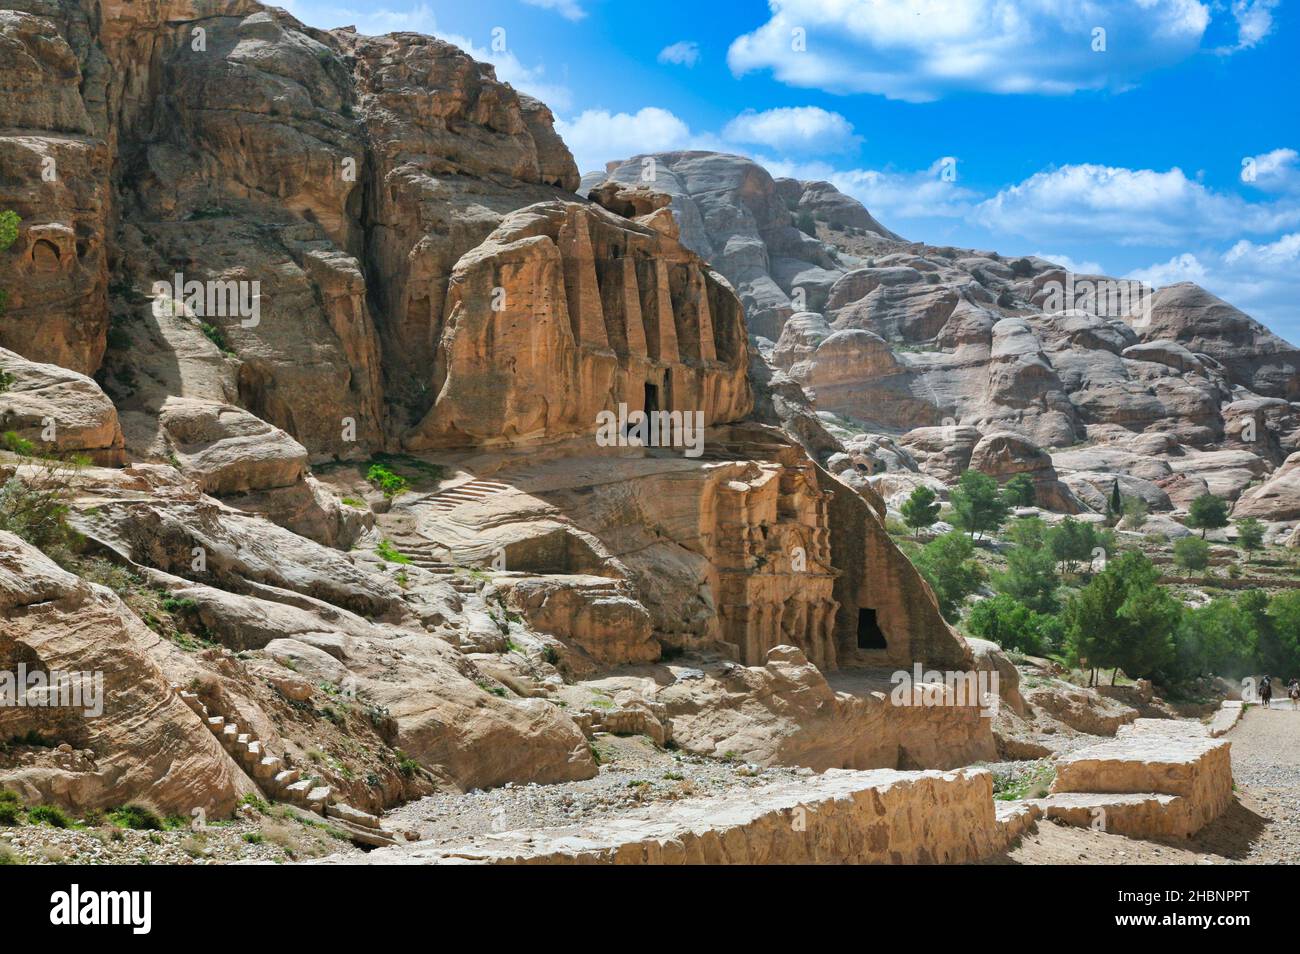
1293	690
1266	691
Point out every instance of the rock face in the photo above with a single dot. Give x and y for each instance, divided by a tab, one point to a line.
880	817
270	263
227	450
732	213
1278	498
129	738
895	337
567	310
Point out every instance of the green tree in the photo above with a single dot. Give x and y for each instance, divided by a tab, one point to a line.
1020	491
1031	576
1280	636
920	509
8	234
1192	553
1011	624
1075	543
1221	637
948	565
805	223
1207	512
1123	619
977	504
1115	507
1135	512
1250	534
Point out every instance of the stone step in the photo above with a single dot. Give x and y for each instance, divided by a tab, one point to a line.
1137	815
216	723
267	768
229	733
318	798
375	837
285	778
298	790
356	816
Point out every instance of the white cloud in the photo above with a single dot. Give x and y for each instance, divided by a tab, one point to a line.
597	136
1283	252
1128	207
1274	171
793	129
918	50
681	53
1072	265
568	9
1181	268
889	196
1254	22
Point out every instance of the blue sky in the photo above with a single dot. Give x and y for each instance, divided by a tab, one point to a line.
1165	147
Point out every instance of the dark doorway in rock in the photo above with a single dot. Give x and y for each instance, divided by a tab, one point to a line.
870	635
651	398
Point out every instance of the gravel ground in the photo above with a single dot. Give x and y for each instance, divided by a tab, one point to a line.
633	774
253	837
1266	766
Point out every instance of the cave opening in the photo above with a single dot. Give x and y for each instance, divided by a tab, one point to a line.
870	635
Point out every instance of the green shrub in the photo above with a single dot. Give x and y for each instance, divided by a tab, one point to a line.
34	507
136	817
216	336
1012	625
388	552
385	480
50	815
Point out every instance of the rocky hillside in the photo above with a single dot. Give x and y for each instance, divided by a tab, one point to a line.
307	341
927	360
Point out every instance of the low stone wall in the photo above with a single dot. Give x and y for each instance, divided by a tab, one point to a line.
1149	758
839	817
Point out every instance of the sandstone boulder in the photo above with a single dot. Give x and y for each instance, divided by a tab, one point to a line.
229	451
60	411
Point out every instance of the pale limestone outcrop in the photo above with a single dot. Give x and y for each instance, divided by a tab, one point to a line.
881	817
60	411
1006	454
1277	498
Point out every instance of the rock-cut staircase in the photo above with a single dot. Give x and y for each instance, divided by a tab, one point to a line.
468	492
284	784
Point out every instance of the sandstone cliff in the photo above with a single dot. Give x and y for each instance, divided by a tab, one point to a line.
333	330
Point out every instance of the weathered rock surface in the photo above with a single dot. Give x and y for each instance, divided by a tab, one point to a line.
880	817
132	739
58	410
